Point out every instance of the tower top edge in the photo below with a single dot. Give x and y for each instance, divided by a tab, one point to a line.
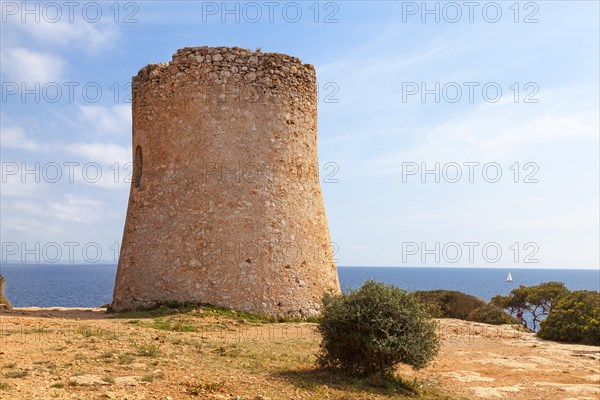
224	57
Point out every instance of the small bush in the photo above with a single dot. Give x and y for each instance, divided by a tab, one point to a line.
149	349
491	314
454	304
205	387
369	331
575	318
449	303
3	300
16	374
126	358
178	325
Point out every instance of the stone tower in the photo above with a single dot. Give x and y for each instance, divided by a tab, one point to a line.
225	204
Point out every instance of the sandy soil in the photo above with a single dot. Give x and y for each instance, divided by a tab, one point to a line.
88	354
490	362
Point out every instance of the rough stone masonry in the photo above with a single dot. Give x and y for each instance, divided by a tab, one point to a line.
225	204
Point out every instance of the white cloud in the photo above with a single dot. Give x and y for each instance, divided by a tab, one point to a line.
110	176
104	153
69	208
79	34
16	223
14	137
77	209
15	184
32	65
116	119
500	132
25	65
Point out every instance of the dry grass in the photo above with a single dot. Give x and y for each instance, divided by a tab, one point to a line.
184	353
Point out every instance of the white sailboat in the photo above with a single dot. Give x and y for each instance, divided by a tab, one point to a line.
509	278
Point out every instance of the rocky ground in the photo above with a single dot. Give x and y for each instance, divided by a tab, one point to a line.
202	353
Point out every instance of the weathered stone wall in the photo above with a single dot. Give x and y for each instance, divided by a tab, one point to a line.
225	204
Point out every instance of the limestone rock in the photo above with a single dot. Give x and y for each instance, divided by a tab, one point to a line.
88	380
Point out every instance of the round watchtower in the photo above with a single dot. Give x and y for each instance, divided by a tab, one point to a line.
225	204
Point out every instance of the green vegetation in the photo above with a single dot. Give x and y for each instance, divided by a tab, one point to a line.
107	355
491	314
178	325
16	374
197	310
561	315
165	309
321	382
537	300
3	300
574	318
126	358
92	331
148	349
454	304
369	331
205	387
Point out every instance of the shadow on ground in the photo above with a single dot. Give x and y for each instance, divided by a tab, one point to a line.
313	378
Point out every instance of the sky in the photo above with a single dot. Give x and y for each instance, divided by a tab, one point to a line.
451	134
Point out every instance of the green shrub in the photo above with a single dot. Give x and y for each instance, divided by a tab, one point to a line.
454	304
449	303
490	314
3	299
148	349
369	331
575	318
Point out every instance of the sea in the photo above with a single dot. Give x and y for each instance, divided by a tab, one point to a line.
91	285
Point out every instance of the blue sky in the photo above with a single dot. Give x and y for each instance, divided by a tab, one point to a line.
373	60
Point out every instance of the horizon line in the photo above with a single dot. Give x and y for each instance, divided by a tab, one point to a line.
338	266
